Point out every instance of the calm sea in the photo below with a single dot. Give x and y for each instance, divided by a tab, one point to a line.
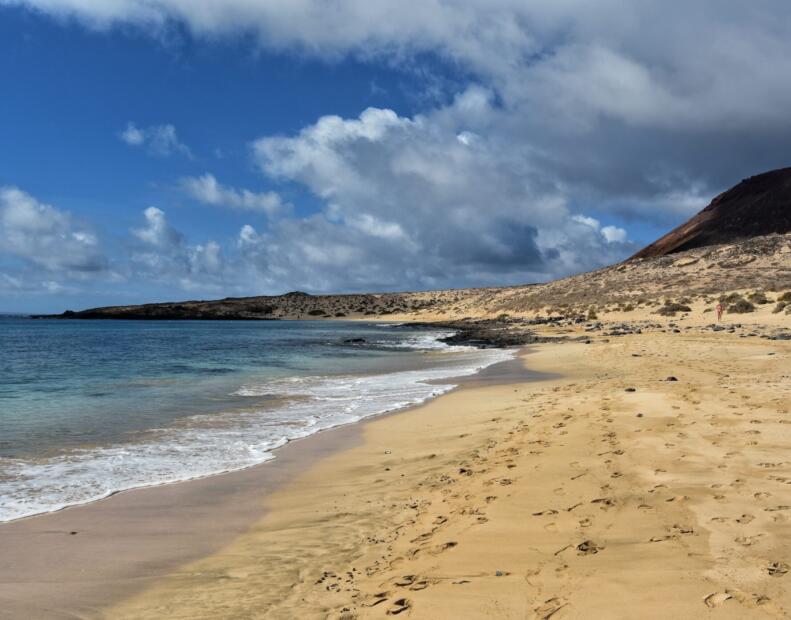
88	408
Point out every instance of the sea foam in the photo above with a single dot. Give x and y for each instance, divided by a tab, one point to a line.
203	445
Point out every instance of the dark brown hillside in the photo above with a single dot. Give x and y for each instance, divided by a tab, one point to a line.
760	205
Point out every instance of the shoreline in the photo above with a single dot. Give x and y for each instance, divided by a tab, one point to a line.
384	397
41	548
648	469
609	491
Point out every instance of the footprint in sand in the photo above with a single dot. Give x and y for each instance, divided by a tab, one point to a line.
422	538
717	598
376	599
543	513
406	580
588	547
745	519
748	541
420	585
777	569
399	606
436	550
549	608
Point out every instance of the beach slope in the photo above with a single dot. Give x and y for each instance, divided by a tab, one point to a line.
649	477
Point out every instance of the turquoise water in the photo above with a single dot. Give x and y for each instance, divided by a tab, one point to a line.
88	408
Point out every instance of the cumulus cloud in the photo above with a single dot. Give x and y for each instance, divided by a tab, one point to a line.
160	140
599	93
164	255
406	202
208	190
45	236
609	99
569	113
157	231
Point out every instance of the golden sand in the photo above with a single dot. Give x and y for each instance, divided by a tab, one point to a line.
564	498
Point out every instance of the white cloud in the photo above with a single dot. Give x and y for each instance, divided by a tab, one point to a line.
613	234
46	236
610	234
622	108
160	140
208	190
247	236
596	93
157	231
641	61
165	256
132	135
405	200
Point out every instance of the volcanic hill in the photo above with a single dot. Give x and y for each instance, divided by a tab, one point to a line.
760	205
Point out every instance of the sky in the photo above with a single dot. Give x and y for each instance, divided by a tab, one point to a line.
156	150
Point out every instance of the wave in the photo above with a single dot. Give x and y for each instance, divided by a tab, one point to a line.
205	445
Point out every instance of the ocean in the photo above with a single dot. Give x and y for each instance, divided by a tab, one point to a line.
90	408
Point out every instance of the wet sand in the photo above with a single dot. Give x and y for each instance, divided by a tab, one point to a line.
81	560
75	562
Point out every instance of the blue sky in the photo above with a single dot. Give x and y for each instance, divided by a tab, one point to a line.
168	150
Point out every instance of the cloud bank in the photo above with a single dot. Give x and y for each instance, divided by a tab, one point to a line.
46	237
568	114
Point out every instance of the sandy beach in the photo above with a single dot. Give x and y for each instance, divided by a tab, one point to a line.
347	310
606	489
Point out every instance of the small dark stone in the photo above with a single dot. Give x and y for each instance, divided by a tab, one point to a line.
630	389
671	378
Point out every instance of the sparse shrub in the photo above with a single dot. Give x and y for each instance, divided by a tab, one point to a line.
628	308
730	299
785	297
671	307
592	316
781	305
759	298
742	306
316	312
340	314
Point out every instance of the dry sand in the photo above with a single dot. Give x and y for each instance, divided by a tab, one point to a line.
572	497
